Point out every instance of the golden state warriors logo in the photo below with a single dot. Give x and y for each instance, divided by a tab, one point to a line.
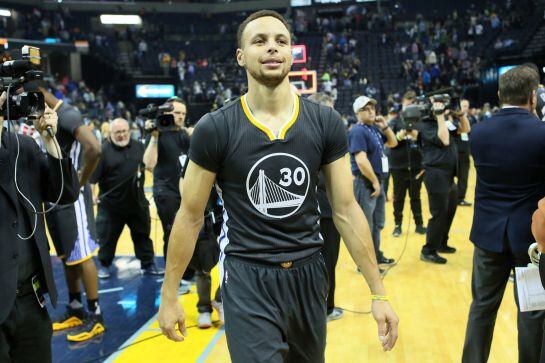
277	185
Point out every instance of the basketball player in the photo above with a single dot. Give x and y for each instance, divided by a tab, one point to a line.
72	227
264	153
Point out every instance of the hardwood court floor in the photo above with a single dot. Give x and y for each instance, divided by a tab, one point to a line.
432	303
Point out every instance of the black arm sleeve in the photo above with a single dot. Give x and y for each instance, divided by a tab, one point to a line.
335	136
72	120
207	145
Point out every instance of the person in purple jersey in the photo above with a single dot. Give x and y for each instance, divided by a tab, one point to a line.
264	152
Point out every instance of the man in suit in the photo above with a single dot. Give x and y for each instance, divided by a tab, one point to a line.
25	265
509	155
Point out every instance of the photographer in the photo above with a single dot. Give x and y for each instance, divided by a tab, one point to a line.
439	158
122	200
508	150
26	272
405	166
366	142
162	156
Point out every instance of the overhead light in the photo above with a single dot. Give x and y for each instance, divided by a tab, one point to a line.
5	12
121	19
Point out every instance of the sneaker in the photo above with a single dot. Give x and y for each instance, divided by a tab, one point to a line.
420	229
204	320
103	272
446	249
218	306
385	261
71	319
433	258
397	231
153	270
336	314
94	326
463	203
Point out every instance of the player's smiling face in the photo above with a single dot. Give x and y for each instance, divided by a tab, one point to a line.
266	51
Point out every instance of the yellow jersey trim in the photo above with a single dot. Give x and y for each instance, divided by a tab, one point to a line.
283	130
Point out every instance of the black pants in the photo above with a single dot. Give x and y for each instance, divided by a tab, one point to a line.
330	252
405	180
110	224
275	314
25	335
167	207
490	275
443	197
463	174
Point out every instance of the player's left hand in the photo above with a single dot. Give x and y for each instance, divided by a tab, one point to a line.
387	322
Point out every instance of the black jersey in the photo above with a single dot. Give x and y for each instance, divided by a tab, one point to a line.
70	120
267	183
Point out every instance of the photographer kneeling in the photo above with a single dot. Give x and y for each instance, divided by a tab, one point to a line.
440	159
28	179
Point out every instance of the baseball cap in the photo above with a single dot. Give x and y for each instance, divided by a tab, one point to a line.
361	102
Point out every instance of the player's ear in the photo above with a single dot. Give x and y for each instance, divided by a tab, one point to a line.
240	58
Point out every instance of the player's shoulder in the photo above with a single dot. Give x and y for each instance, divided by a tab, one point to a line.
315	109
221	116
215	122
231	108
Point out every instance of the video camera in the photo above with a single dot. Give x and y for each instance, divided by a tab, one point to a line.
30	103
157	114
422	108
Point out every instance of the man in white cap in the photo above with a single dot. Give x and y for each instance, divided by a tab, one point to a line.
367	140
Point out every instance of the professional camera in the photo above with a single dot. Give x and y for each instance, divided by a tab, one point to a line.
157	114
24	73
422	108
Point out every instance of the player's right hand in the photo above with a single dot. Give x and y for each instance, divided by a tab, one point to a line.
170	314
387	322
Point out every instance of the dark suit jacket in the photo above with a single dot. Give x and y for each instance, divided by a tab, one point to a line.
39	179
509	154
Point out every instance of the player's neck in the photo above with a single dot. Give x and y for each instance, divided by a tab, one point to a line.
273	101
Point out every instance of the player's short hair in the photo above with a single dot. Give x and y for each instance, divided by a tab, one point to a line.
257	15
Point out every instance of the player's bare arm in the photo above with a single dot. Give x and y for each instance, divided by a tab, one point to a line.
183	237
354	229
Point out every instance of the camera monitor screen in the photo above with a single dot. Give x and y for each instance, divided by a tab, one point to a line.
299	53
155	91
